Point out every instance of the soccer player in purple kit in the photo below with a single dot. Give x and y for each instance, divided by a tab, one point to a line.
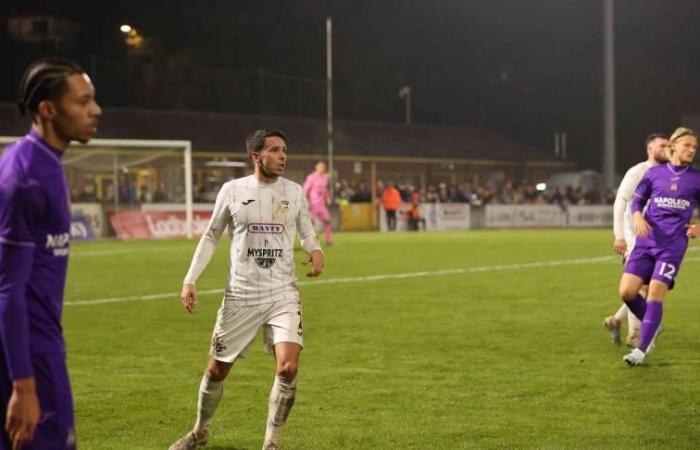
673	192
37	406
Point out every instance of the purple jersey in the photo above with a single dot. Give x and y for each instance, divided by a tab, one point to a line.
34	240
672	193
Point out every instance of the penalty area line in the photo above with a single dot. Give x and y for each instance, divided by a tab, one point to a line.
369	278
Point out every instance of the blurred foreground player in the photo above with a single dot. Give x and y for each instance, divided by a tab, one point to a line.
623	229
264	213
673	191
37	407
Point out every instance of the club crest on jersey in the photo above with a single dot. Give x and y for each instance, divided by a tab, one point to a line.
266	228
217	345
674	186
285	204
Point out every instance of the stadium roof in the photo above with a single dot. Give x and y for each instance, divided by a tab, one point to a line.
224	132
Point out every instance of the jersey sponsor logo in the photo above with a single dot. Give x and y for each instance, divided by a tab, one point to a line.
266	228
670	202
245	203
265	258
58	243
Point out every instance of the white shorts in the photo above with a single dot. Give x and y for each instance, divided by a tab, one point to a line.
237	325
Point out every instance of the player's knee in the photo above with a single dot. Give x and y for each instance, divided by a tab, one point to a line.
287	370
217	371
627	293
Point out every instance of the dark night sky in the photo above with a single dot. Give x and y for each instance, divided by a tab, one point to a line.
525	68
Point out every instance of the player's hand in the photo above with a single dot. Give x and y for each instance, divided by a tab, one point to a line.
316	260
23	412
188	296
641	226
693	230
620	246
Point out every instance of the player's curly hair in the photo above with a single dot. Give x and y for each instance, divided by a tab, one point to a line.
680	132
256	140
44	79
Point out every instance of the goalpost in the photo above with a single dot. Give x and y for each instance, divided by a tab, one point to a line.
117	176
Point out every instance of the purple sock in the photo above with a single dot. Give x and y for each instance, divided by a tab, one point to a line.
638	306
651	322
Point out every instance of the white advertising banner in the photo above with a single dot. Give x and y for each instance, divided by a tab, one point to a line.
524	216
446	216
590	216
436	216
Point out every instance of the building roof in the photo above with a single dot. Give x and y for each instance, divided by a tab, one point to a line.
227	132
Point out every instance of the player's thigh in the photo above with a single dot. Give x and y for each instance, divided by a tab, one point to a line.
284	323
56	428
234	331
630	285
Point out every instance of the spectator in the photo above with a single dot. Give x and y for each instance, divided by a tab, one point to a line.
391	200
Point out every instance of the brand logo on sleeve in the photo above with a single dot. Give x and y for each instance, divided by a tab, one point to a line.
266	228
58	243
247	202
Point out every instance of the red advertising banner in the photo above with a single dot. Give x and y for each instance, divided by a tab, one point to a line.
156	224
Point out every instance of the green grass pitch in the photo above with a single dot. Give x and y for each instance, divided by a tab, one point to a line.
483	339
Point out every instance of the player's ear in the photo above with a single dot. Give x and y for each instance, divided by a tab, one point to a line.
46	109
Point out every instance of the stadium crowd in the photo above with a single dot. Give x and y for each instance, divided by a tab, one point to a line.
510	193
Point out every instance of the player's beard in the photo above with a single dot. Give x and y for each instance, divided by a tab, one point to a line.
661	159
264	171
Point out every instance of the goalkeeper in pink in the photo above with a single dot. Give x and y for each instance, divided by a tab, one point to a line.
319	197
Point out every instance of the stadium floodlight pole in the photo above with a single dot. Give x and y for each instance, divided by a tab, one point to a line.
609	94
329	102
188	190
405	93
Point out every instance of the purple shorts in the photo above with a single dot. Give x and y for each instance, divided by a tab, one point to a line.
56	428
651	263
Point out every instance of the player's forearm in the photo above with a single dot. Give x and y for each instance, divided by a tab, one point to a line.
15	264
619	208
202	255
311	243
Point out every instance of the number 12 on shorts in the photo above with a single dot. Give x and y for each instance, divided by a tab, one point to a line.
667	270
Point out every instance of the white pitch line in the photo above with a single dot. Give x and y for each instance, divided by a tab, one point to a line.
360	279
122	251
391	276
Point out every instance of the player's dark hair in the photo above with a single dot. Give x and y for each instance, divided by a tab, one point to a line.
44	79
654	136
256	140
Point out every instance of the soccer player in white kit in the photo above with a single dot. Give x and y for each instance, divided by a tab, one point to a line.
623	227
263	213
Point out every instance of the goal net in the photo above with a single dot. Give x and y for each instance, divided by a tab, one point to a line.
128	188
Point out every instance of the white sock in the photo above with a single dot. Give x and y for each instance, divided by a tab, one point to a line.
281	401
634	325
210	393
621	313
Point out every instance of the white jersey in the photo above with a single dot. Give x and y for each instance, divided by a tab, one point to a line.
623	222
263	221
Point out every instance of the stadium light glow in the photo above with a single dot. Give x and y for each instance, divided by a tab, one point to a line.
125	28
541	186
